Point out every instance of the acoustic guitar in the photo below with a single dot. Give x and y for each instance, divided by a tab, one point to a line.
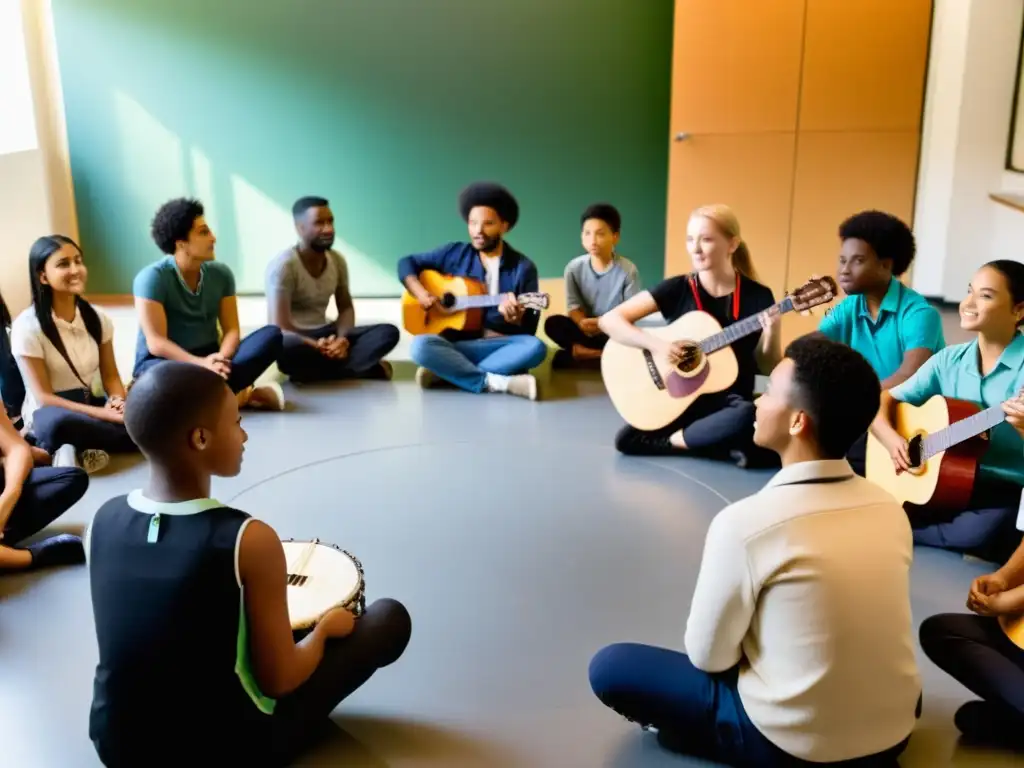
650	393
462	303
946	438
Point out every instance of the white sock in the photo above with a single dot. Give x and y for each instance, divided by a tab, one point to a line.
496	382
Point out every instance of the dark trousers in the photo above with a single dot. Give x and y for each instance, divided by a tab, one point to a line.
975	652
48	492
256	352
713	426
987	529
695	712
53	426
12	386
368	344
300	719
379	639
564	332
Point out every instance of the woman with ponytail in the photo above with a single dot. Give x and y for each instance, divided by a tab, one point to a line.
723	284
64	347
987	371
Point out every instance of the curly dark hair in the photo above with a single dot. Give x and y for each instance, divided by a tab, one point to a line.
606	212
173	222
889	237
838	389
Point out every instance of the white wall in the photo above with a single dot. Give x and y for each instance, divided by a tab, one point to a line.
969	98
35	178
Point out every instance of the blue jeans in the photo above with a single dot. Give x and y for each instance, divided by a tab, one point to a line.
695	712
467	363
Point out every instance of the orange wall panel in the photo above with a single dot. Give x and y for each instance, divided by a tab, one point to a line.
864	65
736	65
838	174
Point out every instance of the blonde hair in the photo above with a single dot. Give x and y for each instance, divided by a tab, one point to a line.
725	220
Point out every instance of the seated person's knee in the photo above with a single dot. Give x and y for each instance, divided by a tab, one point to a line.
393	625
420	347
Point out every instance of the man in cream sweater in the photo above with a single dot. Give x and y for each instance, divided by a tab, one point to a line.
800	641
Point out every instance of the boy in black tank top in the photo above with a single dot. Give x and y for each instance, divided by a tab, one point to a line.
197	660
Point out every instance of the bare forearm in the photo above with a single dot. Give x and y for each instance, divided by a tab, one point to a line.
97	412
309	652
161	346
577	315
229	343
624	332
114	388
1013	571
17	465
415	287
882	427
346	319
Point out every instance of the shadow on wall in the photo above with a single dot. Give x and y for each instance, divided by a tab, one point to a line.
386	108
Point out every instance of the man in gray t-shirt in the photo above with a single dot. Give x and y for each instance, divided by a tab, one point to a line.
595	283
300	284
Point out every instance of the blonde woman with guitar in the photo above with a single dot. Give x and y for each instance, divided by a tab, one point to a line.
986	372
725	286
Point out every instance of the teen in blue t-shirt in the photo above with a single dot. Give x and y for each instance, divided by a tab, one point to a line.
188	310
891	325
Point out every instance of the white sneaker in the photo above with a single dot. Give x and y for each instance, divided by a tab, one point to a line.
523	385
65	456
425	378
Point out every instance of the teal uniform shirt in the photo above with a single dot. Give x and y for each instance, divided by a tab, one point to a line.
905	321
954	372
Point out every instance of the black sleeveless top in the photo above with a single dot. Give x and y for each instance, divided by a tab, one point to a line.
171	683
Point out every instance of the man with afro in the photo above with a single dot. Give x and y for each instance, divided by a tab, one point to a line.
499	358
889	323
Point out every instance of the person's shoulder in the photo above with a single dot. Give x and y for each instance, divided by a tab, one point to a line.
577	263
625	265
219	268
754	287
519	256
282	260
915	302
844	307
26	322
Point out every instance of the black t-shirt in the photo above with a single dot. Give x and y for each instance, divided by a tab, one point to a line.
674	298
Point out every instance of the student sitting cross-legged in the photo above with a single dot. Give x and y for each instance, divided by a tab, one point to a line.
499	359
975	650
987	371
300	284
891	324
32	497
197	660
595	283
183	298
65	348
799	643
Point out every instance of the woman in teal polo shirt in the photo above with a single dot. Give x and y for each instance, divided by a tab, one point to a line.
986	371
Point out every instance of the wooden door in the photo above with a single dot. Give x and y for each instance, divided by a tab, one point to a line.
858	141
735	87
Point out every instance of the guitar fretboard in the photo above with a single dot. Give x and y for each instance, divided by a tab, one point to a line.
476	302
962	430
738	330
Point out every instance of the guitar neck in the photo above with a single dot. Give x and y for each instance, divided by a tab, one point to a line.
962	430
476	302
740	329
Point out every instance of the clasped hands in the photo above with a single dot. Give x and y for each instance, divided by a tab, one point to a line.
991	595
333	347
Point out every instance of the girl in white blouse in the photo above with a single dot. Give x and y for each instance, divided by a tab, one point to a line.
74	396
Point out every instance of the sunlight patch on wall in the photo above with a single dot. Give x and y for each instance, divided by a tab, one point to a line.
265	228
202	185
152	158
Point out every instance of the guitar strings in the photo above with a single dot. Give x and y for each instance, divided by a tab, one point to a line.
296	577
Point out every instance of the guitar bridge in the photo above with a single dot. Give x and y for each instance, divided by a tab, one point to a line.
295	580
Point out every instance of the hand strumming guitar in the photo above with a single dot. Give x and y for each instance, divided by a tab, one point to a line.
511	309
1014	410
589	326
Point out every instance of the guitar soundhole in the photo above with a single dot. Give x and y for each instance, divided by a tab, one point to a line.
914	450
448	300
693	357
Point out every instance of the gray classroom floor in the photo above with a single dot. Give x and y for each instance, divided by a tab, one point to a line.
521	543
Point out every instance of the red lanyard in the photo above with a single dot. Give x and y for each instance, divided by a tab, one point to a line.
735	296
